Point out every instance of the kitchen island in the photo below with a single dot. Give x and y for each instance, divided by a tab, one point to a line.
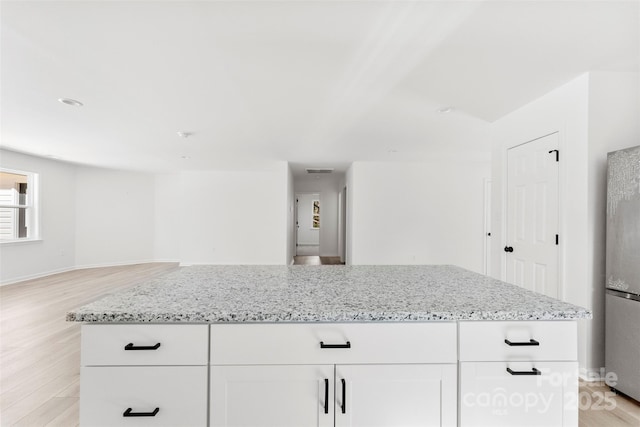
329	345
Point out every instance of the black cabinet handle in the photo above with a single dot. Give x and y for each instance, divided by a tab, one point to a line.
128	413
526	343
533	371
343	407
326	396
130	346
346	345
508	249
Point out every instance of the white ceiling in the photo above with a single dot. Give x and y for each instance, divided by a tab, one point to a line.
318	83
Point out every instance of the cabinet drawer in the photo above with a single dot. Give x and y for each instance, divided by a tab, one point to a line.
491	396
242	344
104	345
179	393
556	340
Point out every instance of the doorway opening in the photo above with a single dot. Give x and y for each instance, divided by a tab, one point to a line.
318	218
308	224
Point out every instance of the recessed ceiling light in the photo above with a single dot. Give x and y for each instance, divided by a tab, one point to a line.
392	151
184	134
444	110
71	102
185	157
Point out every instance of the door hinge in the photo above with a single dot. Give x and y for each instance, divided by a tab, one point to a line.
557	239
557	154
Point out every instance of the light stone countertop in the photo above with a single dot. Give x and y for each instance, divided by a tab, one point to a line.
212	294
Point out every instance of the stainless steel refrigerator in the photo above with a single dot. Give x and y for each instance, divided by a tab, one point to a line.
622	311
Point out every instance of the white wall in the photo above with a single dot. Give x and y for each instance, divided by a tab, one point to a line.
291	235
587	125
56	251
115	217
168	223
96	217
329	187
307	235
351	189
234	217
418	213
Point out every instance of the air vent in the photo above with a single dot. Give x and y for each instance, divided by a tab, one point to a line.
319	170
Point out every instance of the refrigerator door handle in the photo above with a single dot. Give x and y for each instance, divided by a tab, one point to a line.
625	295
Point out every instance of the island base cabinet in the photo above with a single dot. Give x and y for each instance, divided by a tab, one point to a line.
328	395
272	396
396	395
532	394
143	396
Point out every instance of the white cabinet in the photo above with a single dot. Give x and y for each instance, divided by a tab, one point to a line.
492	396
144	375
396	395
311	395
518	374
365	375
272	396
148	345
466	373
144	396
332	343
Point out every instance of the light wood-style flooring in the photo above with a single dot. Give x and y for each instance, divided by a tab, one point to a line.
40	351
316	260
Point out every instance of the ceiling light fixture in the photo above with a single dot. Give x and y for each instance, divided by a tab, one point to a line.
70	102
444	110
184	134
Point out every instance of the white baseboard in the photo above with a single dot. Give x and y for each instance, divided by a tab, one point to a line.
25	278
35	276
113	264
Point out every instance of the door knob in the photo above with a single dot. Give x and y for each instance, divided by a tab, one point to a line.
508	249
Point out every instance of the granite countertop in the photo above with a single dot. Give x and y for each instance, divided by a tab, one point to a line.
212	294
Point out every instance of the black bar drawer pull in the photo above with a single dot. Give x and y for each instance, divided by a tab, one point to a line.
345	345
130	346
128	413
515	344
533	371
326	396
343	407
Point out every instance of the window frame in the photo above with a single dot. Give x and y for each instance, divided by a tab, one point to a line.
31	206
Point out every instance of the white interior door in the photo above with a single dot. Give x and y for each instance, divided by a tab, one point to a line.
487	227
531	249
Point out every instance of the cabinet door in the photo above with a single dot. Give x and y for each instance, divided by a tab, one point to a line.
276	396
492	396
159	396
396	395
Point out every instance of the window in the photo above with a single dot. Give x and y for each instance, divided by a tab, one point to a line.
18	215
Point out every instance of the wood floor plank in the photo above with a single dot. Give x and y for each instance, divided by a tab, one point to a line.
47	412
68	418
